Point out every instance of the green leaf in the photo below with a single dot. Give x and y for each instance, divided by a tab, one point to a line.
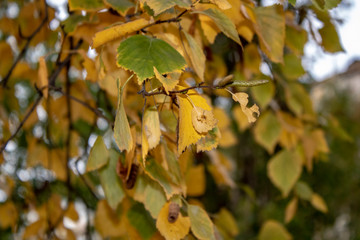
273	230
271	31
267	131
296	39
326	4
160	6
303	190
330	38
73	21
141	220
196	54
292	67
284	170
120	5
293	2
87	5
174	167
122	133
154	198
222	22
110	181
201	225
159	174
99	155
141	54
263	94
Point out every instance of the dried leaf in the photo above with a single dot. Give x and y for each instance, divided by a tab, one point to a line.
168	83
242	98
202	120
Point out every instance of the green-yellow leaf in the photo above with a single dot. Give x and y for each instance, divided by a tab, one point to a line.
151	129
141	54
273	230
176	230
118	31
89	5
201	225
154	198
168	83
122	133
226	221
110	181
99	155
222	4
120	5
267	131
160	6
222	22
318	202
263	94
303	190
155	171
284	170
292	67
196	54
270	27
330	38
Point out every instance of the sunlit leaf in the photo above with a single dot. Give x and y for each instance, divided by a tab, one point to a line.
43	77
195	181
172	230
222	4
118	31
318	202
151	129
222	22
196	55
168	83
141	54
89	5
290	210
242	98
160	6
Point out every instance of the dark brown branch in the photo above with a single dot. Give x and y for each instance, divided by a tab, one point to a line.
24	49
175	19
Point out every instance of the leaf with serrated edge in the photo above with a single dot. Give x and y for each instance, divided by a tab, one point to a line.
99	155
160	6
222	22
196	54
187	133
120	5
174	231
168	83
201	225
141	54
118	31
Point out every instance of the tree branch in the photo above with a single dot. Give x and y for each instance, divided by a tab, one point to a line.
24	49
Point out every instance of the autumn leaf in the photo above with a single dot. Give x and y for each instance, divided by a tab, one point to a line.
118	31
151	130
201	225
160	6
242	98
168	83
172	230
272	229
202	120
43	76
99	155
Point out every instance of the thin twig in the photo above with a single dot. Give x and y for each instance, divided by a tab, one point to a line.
24	49
174	19
33	107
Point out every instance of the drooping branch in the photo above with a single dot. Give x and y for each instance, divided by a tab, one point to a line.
26	46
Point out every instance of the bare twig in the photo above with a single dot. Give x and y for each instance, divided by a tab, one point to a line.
24	49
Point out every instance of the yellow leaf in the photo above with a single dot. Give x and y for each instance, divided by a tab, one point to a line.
272	230
209	28
118	31
35	229
222	4
43	76
318	202
242	98
210	141
8	215
270	27
226	221
196	55
187	133
168	83
202	120
174	231
291	209
240	118
122	133
71	212
152	127
107	223
195	181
